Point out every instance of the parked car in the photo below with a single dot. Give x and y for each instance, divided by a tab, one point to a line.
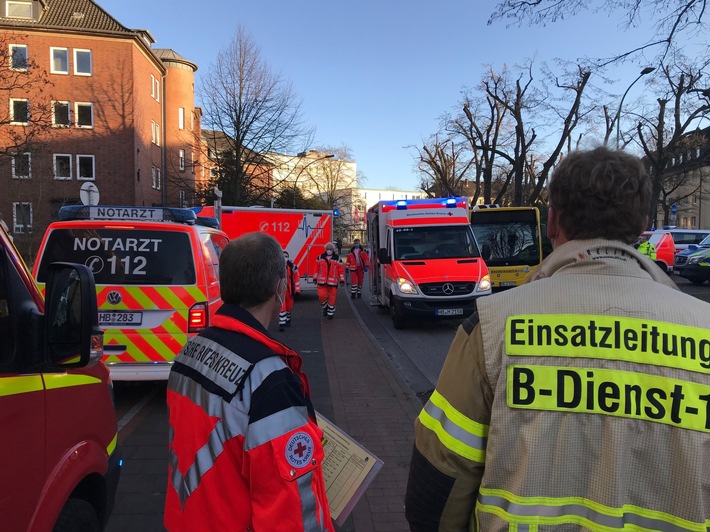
694	263
684	238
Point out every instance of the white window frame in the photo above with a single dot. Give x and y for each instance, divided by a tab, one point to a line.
76	62
155	132
79	156
20	2
29	165
12	110
54	166
76	114
181	159
12	47
152	86
155	178
156	82
181	118
21	228
54	117
52	49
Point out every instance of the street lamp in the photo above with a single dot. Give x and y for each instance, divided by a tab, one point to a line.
645	71
295	181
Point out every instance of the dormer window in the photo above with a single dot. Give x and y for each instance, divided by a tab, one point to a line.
18	9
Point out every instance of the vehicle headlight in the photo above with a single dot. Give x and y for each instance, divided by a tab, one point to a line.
484	285
695	260
406	286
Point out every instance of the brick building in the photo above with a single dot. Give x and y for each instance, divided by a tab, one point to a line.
101	106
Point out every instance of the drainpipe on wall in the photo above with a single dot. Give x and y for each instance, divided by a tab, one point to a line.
163	147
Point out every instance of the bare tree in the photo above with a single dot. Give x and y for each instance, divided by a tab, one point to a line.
443	166
329	176
672	20
684	103
255	112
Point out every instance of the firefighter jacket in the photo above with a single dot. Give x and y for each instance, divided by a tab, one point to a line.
578	401
329	271
245	452
293	285
357	259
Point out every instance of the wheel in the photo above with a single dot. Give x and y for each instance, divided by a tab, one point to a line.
397	319
697	280
77	516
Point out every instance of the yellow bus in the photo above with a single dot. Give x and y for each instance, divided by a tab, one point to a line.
514	235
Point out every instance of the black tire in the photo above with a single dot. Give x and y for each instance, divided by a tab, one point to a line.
397	318
77	516
697	280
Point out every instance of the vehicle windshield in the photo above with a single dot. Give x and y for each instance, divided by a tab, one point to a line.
434	242
512	243
705	242
123	256
655	238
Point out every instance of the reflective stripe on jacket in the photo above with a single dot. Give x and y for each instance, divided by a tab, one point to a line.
351	261
576	401
330	271
292	278
245	452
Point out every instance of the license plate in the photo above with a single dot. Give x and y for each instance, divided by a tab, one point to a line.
449	311
120	318
676	271
507	283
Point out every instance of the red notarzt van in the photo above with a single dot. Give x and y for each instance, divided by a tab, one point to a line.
665	249
58	452
157	279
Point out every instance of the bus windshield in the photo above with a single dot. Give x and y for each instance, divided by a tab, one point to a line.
513	236
434	242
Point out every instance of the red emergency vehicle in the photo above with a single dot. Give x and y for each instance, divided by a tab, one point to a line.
302	232
157	279
429	264
58	450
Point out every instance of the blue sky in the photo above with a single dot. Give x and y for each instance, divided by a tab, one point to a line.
373	74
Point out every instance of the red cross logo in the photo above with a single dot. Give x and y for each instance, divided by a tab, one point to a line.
300	449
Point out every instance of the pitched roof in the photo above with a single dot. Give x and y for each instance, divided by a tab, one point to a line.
84	15
171	56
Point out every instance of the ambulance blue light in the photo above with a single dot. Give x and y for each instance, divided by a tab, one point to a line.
401	205
451	202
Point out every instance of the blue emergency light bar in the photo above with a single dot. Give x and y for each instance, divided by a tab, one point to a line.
449	203
125	214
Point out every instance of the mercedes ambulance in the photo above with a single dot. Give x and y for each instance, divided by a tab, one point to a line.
428	262
58	450
157	279
302	232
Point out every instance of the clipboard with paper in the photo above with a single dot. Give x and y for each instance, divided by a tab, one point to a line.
348	468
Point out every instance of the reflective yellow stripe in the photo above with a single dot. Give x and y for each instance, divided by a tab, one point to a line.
22	384
610	338
611	393
65	380
455	431
579	511
112	446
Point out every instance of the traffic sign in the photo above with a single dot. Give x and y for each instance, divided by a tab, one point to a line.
89	194
674	209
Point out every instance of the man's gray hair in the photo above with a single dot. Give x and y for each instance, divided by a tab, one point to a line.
250	268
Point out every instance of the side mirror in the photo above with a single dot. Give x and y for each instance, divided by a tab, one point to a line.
73	338
693	247
383	257
485	252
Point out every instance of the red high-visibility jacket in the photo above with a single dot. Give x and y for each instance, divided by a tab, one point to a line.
245	452
352	261
293	279
330	271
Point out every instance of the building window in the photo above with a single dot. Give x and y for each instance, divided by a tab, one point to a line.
692	222
192	161
156	83
18	9
155	132
155	178
62	166
59	63
84	114
60	113
82	62
85	167
181	159
21	166
181	118
697	152
21	217
19	111
152	86
19	57
183	198
213	171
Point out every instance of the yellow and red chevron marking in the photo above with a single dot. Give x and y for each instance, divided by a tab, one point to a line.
157	344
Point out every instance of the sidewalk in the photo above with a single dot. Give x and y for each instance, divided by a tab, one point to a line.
368	401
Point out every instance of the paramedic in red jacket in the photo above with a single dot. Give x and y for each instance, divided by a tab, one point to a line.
245	452
357	261
329	274
293	287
